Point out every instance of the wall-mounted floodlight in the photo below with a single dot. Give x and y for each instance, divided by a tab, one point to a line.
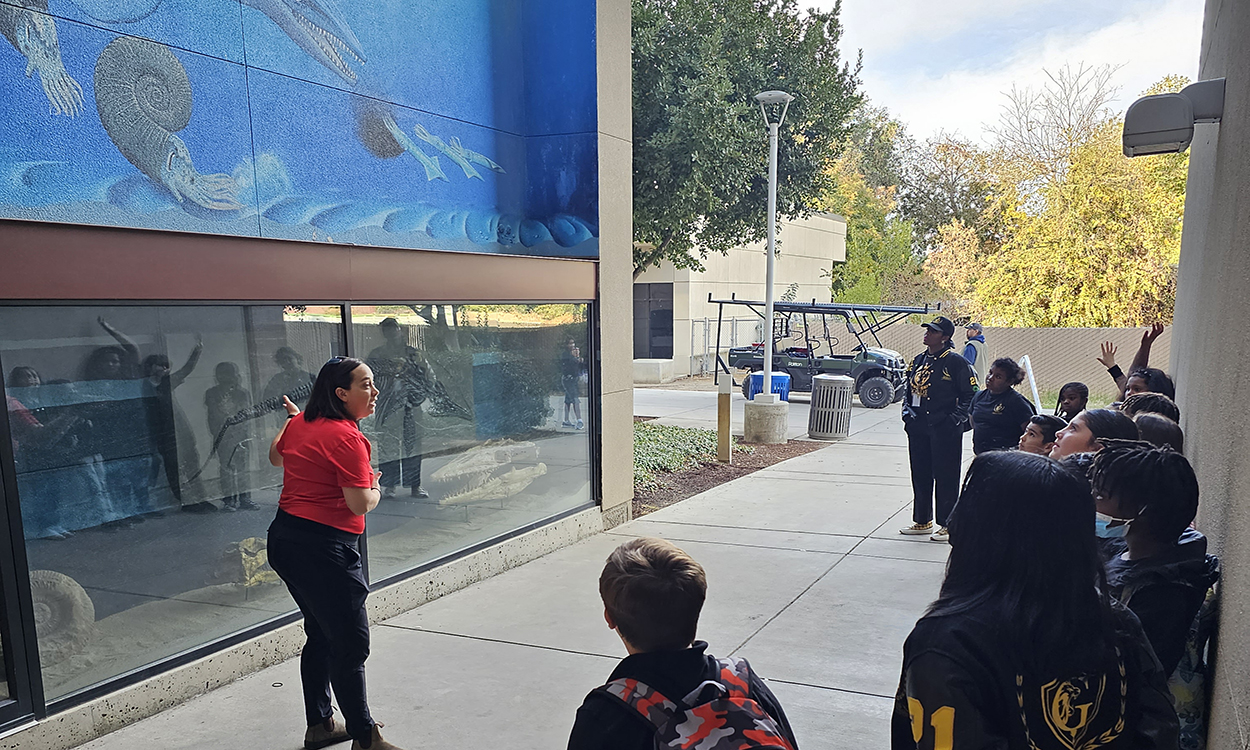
1164	123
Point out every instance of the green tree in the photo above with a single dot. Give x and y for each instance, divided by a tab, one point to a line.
700	147
1103	251
880	266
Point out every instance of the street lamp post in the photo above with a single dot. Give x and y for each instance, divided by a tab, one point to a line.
766	419
771	99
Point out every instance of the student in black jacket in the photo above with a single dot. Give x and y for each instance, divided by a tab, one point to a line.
937	394
1023	649
652	595
1161	570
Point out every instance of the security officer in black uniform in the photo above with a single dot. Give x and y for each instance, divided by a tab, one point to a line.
937	395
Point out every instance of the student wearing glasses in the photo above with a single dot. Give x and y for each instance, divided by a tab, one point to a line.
328	486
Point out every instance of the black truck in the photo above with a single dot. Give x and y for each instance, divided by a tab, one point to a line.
877	371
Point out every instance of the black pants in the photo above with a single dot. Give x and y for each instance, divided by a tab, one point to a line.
935	454
321	568
405	472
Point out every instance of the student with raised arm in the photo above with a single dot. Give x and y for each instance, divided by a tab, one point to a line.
328	486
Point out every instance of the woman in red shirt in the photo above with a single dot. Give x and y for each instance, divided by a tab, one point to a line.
328	486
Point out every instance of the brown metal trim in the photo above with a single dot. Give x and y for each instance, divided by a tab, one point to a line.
69	261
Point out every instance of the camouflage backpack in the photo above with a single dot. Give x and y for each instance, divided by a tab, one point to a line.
717	715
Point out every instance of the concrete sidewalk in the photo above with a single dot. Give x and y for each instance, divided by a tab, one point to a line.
698	409
808	578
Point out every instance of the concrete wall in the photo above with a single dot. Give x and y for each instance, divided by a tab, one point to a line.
616	259
1058	355
1212	308
808	249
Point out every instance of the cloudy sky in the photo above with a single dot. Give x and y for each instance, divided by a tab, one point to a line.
943	64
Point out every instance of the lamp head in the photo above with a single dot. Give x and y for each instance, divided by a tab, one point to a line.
1164	123
774	99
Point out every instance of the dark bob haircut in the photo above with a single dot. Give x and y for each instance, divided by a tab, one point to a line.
1160	431
324	402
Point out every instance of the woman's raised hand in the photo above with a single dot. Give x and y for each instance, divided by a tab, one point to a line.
1108	355
290	406
1152	333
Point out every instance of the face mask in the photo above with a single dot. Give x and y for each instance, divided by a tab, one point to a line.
1101	528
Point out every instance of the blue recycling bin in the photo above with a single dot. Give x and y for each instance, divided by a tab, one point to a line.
781	385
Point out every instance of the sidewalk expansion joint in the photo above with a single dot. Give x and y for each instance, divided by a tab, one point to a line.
614	532
790	604
414	629
830	688
751	528
901	559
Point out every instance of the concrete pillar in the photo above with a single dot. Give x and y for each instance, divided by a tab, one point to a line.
1211	344
765	420
616	264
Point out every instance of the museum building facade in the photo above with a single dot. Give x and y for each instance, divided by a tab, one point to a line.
203	203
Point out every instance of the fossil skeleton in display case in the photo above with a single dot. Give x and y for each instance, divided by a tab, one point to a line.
487	472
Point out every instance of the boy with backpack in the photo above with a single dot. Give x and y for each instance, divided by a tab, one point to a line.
668	692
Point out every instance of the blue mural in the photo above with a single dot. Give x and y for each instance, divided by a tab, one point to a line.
456	125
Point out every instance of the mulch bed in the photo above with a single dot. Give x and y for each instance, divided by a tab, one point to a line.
679	485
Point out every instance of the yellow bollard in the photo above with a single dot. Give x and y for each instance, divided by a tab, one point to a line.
724	441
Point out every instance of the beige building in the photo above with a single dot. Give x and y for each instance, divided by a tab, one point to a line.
674	324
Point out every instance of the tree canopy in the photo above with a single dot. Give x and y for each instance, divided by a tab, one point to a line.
700	145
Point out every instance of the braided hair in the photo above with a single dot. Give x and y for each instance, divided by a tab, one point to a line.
1076	387
1153	403
1156	487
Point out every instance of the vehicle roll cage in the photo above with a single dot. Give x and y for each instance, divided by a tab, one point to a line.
860	320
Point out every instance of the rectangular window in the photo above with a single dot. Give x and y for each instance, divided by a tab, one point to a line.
480	426
140	439
653	321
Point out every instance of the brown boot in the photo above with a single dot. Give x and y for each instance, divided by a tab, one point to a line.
330	732
377	742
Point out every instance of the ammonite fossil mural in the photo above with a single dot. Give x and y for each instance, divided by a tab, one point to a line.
144	98
147	105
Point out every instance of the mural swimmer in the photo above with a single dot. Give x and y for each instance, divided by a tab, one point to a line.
33	34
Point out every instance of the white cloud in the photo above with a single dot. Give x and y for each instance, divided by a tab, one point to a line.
1149	38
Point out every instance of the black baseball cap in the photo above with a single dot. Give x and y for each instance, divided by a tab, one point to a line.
941	324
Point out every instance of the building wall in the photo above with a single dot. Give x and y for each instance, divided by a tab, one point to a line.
463	125
808	248
616	265
1058	355
1211	309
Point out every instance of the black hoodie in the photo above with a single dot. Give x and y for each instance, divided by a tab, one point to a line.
1165	592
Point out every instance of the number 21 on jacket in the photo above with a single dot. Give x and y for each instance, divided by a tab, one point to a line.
943	721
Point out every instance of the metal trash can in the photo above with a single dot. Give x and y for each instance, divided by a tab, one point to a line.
830	415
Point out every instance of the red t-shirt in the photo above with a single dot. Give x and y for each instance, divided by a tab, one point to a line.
319	459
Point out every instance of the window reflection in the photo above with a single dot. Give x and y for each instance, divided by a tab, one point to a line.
470	431
143	496
140	434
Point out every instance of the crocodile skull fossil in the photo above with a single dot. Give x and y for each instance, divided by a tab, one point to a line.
487	472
